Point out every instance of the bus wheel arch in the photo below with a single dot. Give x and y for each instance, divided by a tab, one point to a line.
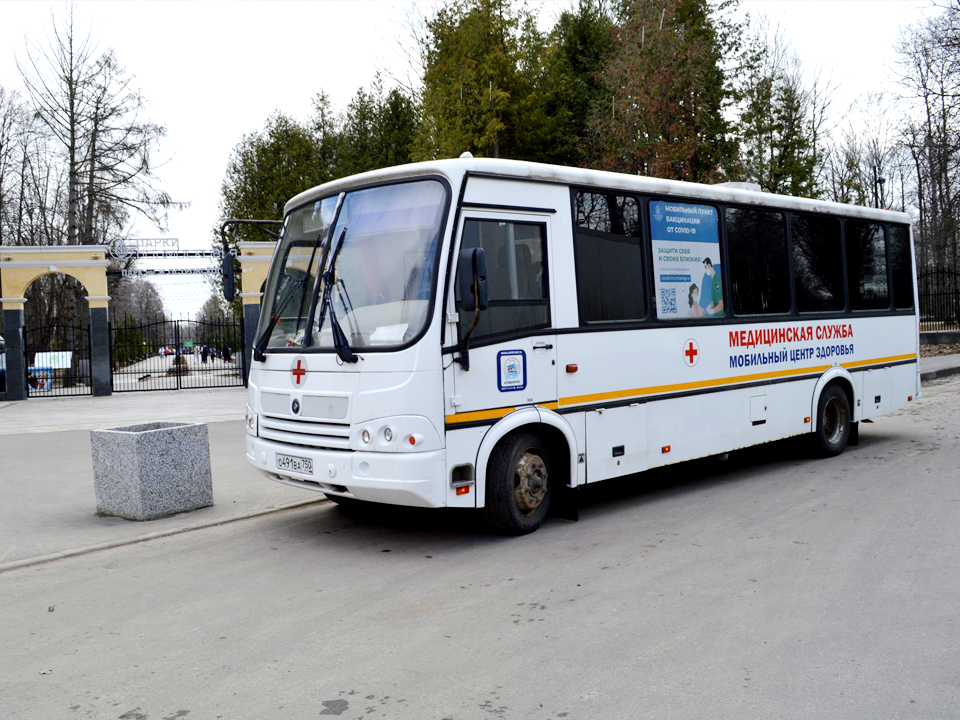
838	376
834	412
552	429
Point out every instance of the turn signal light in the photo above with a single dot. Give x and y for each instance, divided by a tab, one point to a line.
463	490
806	421
909	398
572	368
665	449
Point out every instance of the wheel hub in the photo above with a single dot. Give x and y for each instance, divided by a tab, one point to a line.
834	421
529	483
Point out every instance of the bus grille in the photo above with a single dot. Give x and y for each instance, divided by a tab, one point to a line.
310	434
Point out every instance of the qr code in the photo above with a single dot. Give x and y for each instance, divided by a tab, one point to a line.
668	301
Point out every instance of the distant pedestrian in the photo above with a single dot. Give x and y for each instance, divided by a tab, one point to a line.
203	355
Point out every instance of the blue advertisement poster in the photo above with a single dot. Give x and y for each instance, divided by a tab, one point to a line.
686	260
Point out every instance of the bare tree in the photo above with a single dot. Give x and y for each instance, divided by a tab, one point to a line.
930	76
87	102
138	300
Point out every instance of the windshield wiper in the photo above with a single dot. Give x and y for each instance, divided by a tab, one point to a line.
340	342
258	354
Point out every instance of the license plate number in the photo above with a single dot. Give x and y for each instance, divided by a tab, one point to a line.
295	464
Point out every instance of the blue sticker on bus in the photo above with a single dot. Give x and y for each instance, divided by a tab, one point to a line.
511	370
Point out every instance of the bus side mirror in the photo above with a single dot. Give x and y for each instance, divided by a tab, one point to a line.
473	271
229	285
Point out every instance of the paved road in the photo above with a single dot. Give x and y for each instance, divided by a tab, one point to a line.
766	586
153	373
89	413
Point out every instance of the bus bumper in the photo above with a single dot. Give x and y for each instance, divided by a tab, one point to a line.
412	478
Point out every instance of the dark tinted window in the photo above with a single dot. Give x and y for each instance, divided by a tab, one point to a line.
608	256
901	266
817	263
759	274
516	276
866	265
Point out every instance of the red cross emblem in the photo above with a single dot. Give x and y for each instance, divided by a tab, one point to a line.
298	372
691	352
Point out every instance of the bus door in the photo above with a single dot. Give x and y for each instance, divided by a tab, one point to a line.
512	351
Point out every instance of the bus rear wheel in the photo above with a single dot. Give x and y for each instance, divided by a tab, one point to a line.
833	422
518	485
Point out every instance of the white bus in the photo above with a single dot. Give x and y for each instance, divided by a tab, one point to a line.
492	334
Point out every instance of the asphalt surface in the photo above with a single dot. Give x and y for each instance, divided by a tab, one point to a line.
764	586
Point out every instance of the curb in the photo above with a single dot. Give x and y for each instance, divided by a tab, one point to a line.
937	374
75	552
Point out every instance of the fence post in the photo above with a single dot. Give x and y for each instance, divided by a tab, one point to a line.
101	374
176	356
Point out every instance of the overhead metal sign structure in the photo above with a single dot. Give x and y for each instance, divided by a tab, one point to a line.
155	248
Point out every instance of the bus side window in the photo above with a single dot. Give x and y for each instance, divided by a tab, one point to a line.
687	267
516	276
759	275
866	265
901	267
817	263
608	257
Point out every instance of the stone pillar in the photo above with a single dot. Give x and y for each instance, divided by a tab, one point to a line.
251	318
16	358
101	374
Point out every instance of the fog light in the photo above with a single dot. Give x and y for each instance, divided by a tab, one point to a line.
365	436
388	434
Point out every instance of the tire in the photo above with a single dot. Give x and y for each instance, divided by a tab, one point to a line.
834	421
518	485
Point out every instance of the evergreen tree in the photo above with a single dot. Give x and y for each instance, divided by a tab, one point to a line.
660	109
377	130
580	45
779	117
482	60
269	167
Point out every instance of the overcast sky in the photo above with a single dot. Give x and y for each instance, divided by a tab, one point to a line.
213	71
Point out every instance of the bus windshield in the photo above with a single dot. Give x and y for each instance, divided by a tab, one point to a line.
382	263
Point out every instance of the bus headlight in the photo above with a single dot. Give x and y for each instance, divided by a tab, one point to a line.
251	422
402	433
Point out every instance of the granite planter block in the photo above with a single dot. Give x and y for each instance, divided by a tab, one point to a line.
148	471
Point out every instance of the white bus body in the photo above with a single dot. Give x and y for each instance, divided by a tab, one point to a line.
671	378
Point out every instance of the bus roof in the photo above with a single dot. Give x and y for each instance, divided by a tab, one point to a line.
454	169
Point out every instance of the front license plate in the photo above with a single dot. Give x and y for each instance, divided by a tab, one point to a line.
295	464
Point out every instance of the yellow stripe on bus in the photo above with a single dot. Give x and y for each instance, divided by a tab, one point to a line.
878	361
493	414
497	413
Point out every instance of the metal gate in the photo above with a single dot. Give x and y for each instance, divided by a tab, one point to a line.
58	361
939	292
176	354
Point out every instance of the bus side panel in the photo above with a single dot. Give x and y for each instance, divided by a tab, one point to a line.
462	444
696	426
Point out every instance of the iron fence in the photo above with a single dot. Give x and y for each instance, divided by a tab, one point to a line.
176	354
939	292
58	361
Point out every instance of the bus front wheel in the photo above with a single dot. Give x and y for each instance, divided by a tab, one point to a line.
833	422
518	485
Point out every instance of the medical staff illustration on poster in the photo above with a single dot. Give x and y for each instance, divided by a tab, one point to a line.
686	260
